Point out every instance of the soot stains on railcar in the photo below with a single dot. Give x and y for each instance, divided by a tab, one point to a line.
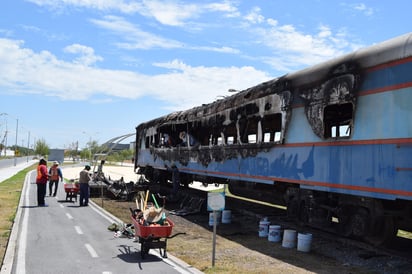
241	125
330	104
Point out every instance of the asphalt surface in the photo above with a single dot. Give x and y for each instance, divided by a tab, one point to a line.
65	238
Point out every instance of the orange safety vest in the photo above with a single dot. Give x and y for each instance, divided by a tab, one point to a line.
54	174
39	175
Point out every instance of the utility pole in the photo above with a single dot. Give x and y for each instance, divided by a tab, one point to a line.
15	147
28	147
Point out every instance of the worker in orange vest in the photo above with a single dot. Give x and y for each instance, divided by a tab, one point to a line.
55	175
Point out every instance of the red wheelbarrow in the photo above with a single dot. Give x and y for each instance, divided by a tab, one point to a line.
153	236
71	190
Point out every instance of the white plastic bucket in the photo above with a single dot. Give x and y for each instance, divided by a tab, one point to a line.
226	217
274	233
304	242
263	228
211	221
289	238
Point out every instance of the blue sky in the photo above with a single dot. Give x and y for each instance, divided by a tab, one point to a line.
79	70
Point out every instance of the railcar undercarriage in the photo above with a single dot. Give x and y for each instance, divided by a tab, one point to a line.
371	220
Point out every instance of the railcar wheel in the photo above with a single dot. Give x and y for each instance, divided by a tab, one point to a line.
345	227
303	214
292	209
359	223
353	222
382	231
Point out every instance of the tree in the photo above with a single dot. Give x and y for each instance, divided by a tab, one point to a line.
85	154
41	147
93	146
72	151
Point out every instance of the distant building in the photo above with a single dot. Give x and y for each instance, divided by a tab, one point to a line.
56	155
7	152
119	147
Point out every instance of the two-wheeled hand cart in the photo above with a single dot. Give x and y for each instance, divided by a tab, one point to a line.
71	190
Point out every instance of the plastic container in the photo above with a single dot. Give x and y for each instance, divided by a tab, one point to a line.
304	242
274	233
218	216
289	238
263	228
226	216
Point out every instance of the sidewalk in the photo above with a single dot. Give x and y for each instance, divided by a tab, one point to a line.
10	171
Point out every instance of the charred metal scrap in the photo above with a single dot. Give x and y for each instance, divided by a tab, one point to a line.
118	188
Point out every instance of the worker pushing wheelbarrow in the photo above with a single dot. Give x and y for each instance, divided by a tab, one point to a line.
151	226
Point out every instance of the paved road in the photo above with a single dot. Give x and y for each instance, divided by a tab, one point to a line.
65	238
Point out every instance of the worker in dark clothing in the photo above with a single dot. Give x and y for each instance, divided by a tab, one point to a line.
84	179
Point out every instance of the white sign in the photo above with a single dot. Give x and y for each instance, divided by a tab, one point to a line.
215	201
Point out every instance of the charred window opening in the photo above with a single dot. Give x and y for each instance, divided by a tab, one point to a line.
230	134
250	131
152	141
330	105
272	128
147	143
338	120
214	138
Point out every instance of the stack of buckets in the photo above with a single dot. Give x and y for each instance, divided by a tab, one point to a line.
273	233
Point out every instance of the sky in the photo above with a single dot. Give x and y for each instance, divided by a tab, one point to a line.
75	71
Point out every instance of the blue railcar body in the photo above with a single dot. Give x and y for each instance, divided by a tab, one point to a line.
368	94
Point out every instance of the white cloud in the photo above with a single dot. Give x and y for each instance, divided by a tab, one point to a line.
226	6
135	37
25	71
171	13
87	56
254	16
104	5
187	86
292	49
363	8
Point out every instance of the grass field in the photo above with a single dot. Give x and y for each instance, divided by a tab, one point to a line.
10	192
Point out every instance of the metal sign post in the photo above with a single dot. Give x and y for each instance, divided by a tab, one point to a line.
215	202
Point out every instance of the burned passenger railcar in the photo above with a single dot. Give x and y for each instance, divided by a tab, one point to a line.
331	142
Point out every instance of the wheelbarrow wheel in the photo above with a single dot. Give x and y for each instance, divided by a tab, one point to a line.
144	250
